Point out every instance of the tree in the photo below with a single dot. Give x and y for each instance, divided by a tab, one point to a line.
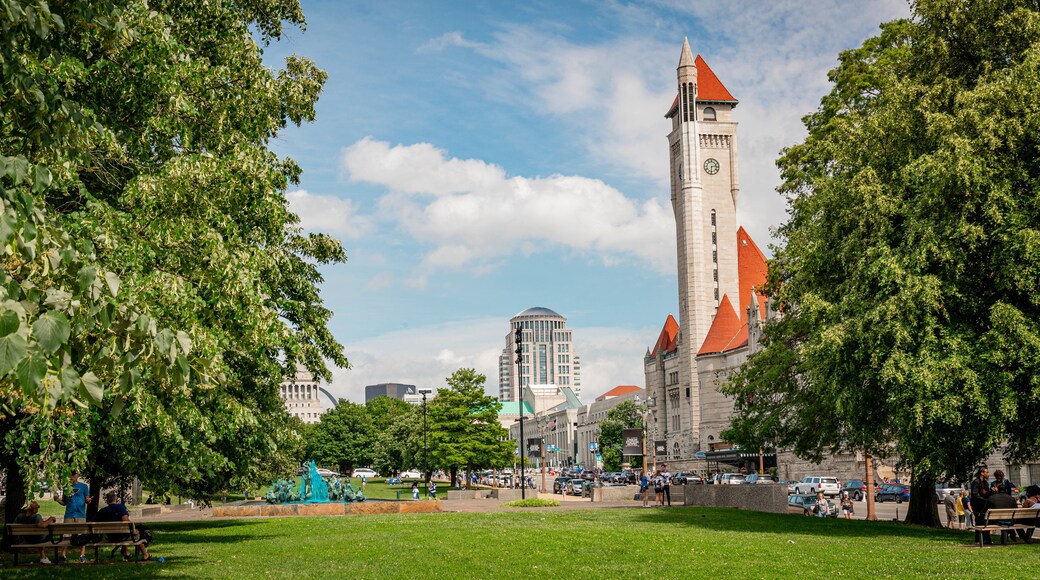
909	270
464	432
624	415
155	288
397	426
343	437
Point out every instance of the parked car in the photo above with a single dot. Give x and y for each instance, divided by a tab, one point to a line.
804	504
326	472
944	489
411	474
686	477
730	479
790	485
814	483
560	484
366	472
896	492
575	486
628	476
759	479
857	489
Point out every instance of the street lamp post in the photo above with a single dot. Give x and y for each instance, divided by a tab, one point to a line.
518	338
425	444
644	411
541	459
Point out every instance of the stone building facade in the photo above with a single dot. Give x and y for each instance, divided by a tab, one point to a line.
302	396
549	358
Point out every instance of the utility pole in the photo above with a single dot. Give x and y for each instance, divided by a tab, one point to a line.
425	443
518	338
869	480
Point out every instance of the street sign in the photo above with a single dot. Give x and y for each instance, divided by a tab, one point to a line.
593	446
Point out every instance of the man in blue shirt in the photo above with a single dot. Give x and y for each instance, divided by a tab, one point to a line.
75	503
116	511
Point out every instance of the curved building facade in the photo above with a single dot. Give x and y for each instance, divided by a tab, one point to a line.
548	353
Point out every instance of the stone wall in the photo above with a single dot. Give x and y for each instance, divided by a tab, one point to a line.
327	509
760	498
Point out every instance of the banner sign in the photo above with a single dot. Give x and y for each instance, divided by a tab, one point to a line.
661	448
534	447
633	441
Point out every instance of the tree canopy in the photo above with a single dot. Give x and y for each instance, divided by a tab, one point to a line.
155	288
624	415
464	432
344	437
908	272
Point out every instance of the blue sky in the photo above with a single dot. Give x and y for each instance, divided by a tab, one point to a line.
480	158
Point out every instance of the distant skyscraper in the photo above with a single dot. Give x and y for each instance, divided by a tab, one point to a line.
392	390
302	396
548	354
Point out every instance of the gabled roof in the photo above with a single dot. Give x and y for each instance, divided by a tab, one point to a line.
727	331
666	341
619	391
751	272
709	88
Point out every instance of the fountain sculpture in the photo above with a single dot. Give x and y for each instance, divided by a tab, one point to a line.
313	489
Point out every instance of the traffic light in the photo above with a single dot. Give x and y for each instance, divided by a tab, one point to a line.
518	337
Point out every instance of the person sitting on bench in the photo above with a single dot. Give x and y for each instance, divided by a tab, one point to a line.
1001	500
116	511
30	514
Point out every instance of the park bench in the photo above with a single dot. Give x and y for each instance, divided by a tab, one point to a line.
60	536
1007	520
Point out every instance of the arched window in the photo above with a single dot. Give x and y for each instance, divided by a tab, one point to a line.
675	450
709	114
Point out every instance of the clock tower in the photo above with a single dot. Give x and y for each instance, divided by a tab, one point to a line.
704	185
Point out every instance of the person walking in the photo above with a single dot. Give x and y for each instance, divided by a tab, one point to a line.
432	489
980	494
644	489
415	490
847	506
822	505
75	502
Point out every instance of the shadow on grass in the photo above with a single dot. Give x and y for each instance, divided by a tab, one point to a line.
734	520
178	566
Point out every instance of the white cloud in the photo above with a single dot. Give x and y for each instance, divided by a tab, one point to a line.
609	357
446	40
328	214
471	212
773	56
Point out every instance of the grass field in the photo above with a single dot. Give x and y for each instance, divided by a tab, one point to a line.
618	543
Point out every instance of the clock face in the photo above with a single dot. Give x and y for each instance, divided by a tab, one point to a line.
711	166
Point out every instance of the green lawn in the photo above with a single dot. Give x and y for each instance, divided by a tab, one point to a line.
549	542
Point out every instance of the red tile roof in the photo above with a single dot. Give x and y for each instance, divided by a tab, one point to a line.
666	341
619	391
751	272
709	87
727	332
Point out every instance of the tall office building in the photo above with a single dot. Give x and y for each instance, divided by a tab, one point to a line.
392	390
548	353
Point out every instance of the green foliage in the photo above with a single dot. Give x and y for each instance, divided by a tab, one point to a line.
155	288
533	502
909	270
464	431
342	438
624	415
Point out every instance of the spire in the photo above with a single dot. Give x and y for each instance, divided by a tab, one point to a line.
686	58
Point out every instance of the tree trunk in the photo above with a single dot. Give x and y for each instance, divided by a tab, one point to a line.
923	510
95	494
871	508
15	490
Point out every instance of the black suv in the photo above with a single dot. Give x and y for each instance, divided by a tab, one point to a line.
856	488
686	477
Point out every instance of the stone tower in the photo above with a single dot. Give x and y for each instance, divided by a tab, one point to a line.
703	159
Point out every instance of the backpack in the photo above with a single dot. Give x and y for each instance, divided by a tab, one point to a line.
144	534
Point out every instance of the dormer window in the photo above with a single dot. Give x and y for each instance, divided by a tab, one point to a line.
709	114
